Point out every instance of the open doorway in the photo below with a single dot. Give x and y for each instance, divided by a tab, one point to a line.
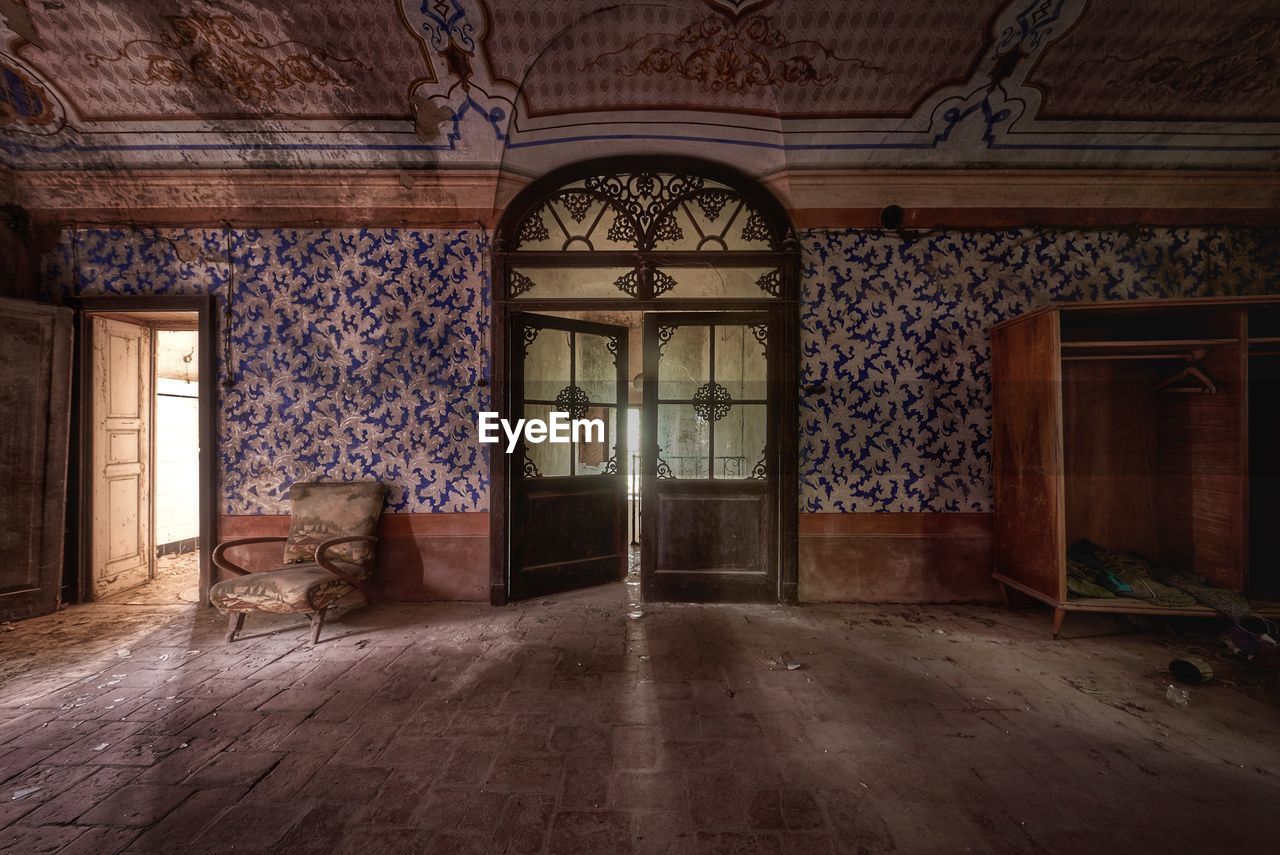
696	267
146	427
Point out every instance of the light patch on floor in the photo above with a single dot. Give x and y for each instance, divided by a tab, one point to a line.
177	582
588	723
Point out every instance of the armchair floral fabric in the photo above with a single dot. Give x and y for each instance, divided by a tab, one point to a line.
321	511
296	588
326	509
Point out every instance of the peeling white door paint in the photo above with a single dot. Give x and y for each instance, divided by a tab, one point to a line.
122	366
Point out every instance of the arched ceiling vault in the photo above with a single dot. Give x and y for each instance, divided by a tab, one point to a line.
453	104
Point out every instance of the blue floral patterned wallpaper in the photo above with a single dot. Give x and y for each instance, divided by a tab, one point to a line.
354	353
894	334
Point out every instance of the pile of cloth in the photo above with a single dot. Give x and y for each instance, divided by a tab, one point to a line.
1093	571
1100	573
1104	573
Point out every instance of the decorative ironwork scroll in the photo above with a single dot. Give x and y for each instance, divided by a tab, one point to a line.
530	336
640	211
712	401
574	401
520	284
664	335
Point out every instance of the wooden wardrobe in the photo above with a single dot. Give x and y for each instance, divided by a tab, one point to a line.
1148	425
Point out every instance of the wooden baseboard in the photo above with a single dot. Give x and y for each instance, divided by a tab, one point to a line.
896	558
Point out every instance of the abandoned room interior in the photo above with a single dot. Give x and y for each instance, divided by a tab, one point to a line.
639	426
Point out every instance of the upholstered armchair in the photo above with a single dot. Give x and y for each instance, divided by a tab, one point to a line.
327	555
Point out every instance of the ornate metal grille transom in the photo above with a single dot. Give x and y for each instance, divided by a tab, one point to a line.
664	220
644	211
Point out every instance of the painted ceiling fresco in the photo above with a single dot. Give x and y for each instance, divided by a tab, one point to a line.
765	84
806	59
143	61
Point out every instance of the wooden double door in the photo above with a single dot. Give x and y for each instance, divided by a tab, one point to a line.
711	462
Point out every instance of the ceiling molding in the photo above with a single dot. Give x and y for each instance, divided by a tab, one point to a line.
1025	188
815	198
267	197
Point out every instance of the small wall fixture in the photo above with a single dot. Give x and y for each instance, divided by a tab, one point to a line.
892	217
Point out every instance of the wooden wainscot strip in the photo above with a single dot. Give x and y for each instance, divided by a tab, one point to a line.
896	525
896	558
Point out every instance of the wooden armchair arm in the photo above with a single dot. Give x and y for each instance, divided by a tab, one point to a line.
222	562
327	563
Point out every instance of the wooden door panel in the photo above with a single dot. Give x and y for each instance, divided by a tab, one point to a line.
586	529
568	503
713	534
123	535
712	468
35	396
121	538
713	548
1028	454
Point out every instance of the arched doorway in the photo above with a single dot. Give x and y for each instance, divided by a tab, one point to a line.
705	262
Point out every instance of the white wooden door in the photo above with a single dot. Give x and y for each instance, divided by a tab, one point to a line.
123	554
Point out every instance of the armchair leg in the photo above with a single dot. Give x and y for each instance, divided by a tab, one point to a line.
234	625
317	621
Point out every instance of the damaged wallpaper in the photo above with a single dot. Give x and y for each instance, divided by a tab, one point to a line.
353	353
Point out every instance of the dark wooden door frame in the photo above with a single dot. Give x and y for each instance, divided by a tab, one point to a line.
786	306
82	504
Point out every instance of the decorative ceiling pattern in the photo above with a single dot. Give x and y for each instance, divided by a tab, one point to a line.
141	60
1201	64
824	59
766	85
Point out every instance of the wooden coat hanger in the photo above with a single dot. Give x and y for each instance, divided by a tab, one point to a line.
1189	381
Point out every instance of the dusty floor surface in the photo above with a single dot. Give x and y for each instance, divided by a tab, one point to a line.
177	582
587	724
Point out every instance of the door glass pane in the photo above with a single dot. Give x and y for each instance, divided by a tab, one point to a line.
545	459
534	283
740	442
597	368
709	282
596	456
684	442
683	361
741	366
546	364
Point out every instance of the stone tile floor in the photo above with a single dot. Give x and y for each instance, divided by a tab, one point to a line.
587	724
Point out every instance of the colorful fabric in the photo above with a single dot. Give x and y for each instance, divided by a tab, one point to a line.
1094	557
1128	574
1229	603
323	510
296	588
1133	570
1080	582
